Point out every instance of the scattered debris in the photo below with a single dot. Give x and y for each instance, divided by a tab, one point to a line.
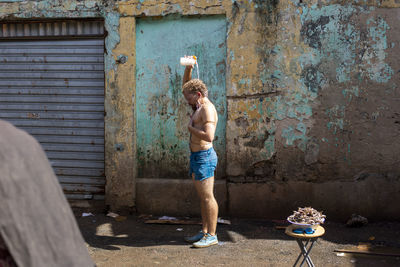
186	220
222	221
120	218
167	218
86	214
357	221
145	216
307	215
364	246
119	236
368	249
179	229
282	224
112	214
175	221
116	216
340	254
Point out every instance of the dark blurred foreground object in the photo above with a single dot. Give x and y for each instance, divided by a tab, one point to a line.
6	260
37	225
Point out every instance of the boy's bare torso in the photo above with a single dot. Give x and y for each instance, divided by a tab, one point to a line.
205	114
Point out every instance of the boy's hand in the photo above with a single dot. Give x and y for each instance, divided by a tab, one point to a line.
198	105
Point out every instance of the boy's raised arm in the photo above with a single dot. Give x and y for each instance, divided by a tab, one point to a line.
187	76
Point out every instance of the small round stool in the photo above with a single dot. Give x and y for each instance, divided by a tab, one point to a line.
303	240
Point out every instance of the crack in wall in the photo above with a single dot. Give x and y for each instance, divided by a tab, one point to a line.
258	95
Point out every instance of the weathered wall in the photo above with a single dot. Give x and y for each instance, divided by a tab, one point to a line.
312	93
332	76
328	109
161	111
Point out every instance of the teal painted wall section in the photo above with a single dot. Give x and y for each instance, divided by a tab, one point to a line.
162	112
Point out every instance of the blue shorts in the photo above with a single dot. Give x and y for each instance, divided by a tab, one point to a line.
203	164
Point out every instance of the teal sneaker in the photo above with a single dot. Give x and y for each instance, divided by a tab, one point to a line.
206	241
195	238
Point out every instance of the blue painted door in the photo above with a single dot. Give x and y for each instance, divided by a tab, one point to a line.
162	114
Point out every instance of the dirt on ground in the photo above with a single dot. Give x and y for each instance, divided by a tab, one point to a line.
128	241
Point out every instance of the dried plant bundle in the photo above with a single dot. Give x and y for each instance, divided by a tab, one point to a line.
307	215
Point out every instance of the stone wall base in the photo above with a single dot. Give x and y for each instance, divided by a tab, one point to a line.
376	199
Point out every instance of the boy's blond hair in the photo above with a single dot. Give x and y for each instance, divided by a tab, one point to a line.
195	85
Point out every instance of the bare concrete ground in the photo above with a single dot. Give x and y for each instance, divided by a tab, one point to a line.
243	243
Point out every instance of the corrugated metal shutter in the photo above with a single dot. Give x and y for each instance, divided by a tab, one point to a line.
54	89
51	29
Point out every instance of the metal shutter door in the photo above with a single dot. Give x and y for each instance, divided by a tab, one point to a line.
54	89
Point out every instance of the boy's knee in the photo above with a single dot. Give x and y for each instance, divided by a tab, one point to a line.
208	199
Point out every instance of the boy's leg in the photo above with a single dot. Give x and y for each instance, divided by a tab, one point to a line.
202	208
205	190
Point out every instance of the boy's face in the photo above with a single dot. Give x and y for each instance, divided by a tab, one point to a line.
192	98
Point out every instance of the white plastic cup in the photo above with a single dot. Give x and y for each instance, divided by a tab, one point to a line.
188	61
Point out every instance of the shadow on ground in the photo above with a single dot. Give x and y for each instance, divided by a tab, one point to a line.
252	235
107	233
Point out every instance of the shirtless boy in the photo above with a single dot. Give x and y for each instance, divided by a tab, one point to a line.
203	159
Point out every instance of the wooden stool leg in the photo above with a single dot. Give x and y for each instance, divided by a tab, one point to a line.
300	243
305	252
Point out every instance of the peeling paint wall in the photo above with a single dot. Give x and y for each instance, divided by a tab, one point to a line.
312	88
329	107
162	112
